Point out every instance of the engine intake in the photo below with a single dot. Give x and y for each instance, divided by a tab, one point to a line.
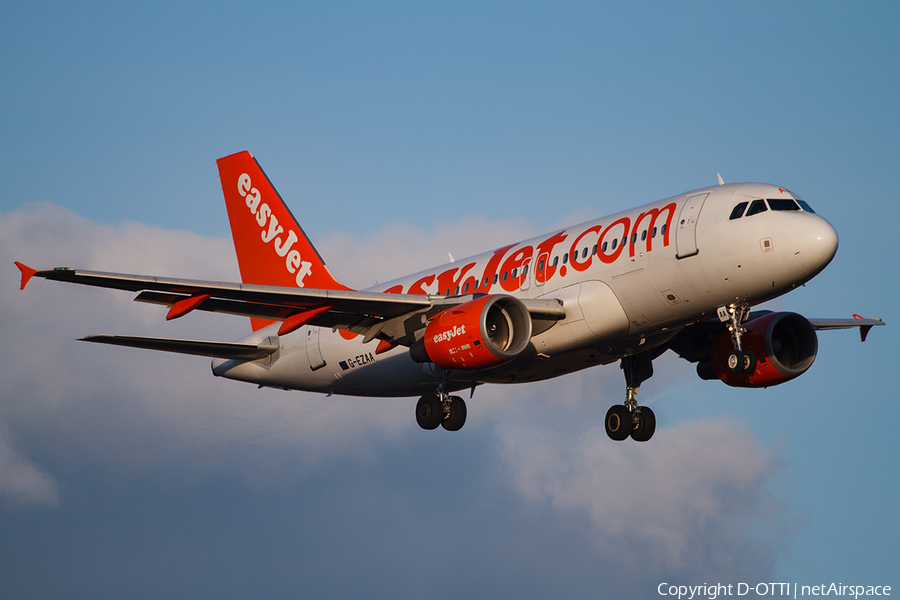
783	343
479	334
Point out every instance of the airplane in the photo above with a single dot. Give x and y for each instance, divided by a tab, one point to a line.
679	274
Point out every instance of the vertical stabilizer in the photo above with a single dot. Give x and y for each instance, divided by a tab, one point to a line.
271	247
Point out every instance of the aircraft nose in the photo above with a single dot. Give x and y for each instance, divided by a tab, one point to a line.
814	241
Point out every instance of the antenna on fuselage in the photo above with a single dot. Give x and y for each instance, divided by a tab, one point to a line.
720	179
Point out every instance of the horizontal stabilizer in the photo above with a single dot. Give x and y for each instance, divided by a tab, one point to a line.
195	347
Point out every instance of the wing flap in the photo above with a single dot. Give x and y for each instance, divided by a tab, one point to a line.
220	305
338	320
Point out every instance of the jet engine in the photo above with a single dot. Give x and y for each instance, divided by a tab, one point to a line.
481	333
777	347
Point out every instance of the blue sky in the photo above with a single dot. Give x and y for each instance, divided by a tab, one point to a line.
398	133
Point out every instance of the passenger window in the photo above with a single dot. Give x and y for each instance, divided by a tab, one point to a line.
634	238
505	274
495	279
565	258
644	235
555	260
756	207
615	243
515	272
663	230
584	253
540	265
738	211
603	248
782	204
594	251
466	289
525	270
653	233
485	282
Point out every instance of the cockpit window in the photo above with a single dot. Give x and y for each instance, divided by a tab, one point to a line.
783	204
738	211
756	207
805	206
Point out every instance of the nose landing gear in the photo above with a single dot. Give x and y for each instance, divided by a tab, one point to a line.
738	360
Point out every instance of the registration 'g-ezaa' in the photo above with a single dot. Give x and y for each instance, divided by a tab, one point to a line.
679	274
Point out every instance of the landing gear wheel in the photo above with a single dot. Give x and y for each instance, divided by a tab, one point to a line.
645	427
429	411
618	422
735	361
457	417
749	365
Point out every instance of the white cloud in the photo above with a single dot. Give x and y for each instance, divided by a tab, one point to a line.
21	481
689	502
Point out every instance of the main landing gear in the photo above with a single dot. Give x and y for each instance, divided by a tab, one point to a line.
738	360
441	409
630	419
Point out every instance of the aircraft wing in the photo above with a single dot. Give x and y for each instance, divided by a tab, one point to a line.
372	314
857	321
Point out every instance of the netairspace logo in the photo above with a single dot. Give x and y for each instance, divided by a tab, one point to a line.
791	590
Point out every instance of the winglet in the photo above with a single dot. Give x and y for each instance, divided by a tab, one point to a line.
27	274
863	329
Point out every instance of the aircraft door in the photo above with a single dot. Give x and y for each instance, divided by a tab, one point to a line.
686	229
540	274
525	275
313	352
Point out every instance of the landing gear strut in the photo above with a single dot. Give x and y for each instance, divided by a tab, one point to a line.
738	360
630	419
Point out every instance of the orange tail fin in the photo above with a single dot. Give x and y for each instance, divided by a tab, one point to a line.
271	247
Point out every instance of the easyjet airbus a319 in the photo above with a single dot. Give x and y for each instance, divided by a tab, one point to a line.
679	274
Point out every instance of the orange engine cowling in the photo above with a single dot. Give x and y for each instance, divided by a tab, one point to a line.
481	333
784	345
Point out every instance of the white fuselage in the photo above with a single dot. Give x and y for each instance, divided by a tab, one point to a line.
628	282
